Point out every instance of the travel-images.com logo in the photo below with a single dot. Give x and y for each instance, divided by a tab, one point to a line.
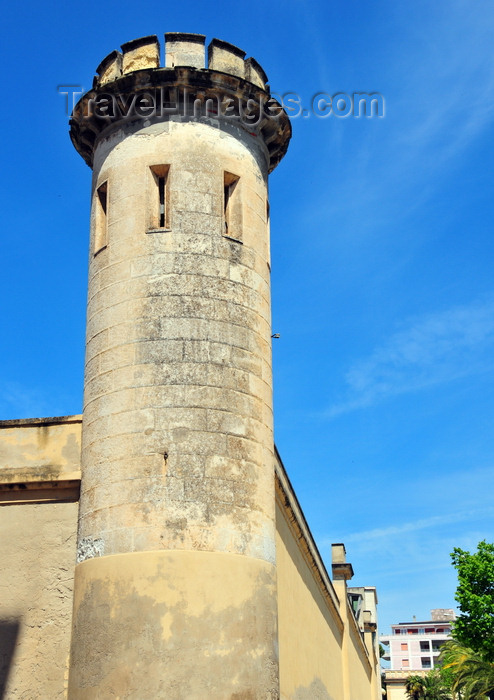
156	103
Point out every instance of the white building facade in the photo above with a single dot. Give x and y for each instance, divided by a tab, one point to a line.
414	646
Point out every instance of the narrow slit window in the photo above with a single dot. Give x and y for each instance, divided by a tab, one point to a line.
101	223
158	205
226	217
161	190
232	213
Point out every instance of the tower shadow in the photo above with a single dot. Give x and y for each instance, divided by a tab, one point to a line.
9	631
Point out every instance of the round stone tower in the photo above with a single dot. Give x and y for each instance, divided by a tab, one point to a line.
175	585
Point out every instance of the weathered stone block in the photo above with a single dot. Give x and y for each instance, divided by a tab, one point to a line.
226	57
185	50
226	422
254	73
159	351
110	68
141	53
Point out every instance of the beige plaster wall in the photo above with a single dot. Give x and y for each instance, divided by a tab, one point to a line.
188	611
39	471
37	554
310	637
40	449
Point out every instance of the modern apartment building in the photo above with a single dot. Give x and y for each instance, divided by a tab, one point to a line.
416	645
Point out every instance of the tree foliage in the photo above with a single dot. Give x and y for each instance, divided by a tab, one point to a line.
428	687
434	687
447	676
414	686
473	676
474	628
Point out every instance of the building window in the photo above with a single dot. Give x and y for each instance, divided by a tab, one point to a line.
426	662
159	198
404	646
405	663
424	646
232	211
100	218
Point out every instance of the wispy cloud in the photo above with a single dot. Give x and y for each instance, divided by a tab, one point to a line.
433	349
415	525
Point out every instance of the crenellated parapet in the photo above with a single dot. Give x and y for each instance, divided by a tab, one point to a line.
180	50
135	83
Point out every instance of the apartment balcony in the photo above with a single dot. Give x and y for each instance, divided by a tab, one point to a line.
441	637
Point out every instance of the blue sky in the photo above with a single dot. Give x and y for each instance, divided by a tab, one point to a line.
382	247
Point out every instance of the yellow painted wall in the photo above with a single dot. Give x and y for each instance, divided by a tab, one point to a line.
396	692
309	635
360	671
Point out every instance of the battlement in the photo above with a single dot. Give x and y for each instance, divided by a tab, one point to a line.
181	50
143	83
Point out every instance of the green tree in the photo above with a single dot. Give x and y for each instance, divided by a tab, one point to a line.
447	677
435	687
414	687
474	627
428	687
473	675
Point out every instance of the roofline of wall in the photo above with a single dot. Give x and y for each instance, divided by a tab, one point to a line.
295	518
30	422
